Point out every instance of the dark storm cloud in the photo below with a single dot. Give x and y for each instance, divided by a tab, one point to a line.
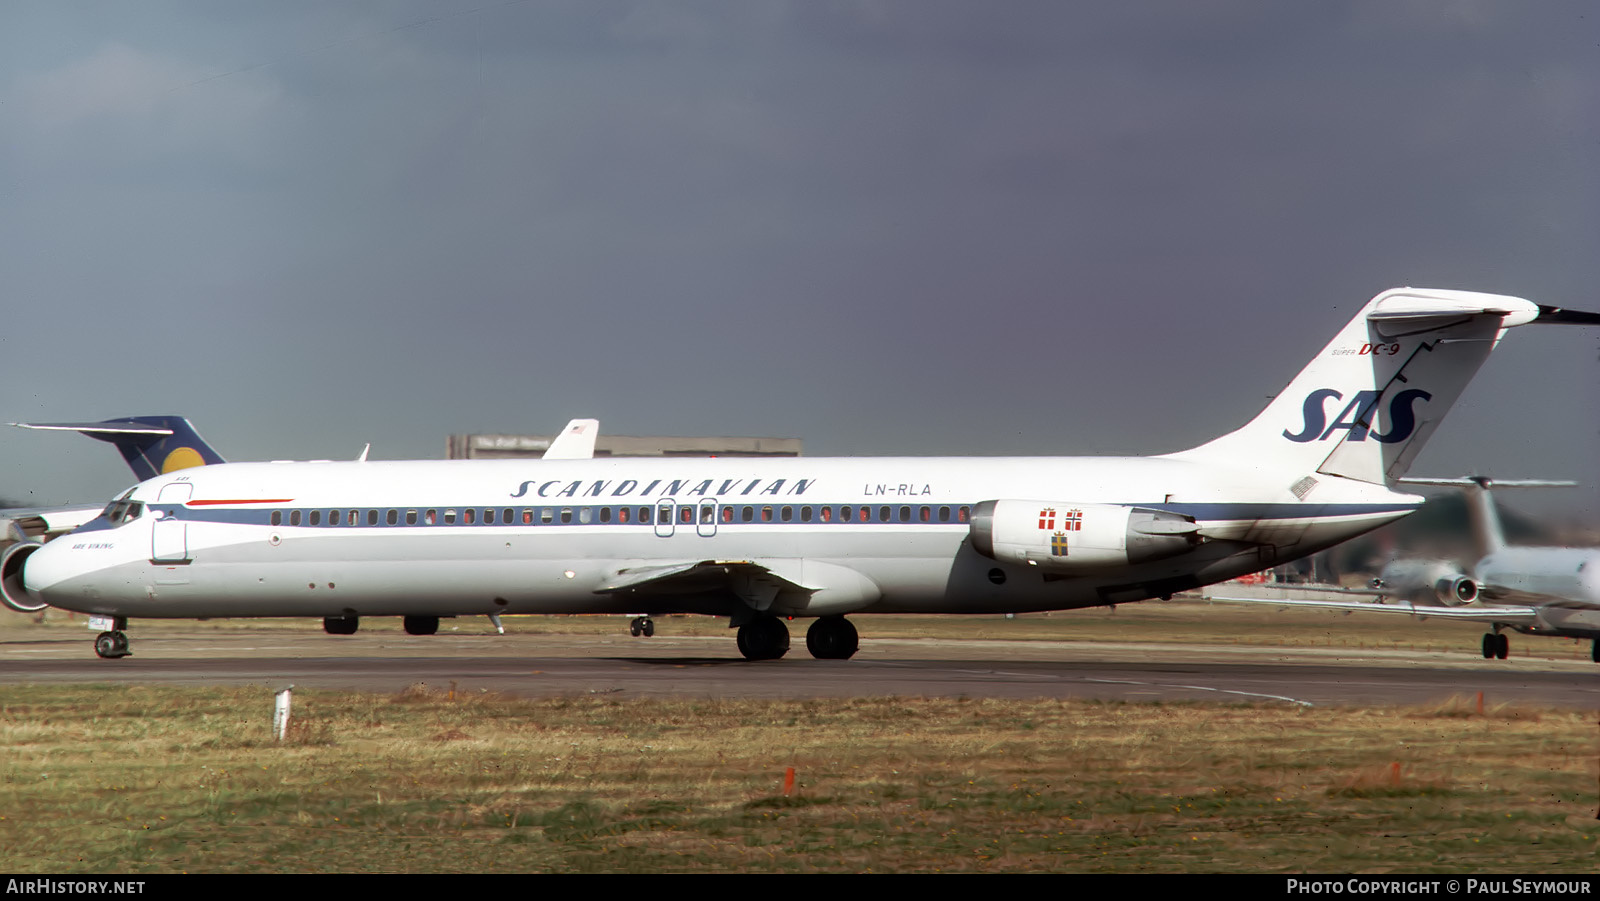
883	227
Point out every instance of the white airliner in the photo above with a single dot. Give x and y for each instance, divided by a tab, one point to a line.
758	540
1534	590
159	445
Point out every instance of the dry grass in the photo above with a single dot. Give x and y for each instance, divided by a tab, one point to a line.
137	779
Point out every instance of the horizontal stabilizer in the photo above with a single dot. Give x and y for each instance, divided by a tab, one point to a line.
1483	482
1559	316
96	428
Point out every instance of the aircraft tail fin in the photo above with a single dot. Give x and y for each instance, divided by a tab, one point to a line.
151	445
576	441
1390	374
1487	534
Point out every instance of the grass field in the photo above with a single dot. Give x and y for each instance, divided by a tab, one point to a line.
141	780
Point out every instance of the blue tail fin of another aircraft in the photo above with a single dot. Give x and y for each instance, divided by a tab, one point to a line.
152	445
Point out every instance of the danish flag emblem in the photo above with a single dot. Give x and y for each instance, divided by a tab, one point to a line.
1047	518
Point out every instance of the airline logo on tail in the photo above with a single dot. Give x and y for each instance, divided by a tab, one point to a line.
1355	419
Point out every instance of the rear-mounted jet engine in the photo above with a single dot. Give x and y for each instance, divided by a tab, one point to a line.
1074	538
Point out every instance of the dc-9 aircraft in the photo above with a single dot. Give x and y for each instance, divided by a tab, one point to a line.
759	540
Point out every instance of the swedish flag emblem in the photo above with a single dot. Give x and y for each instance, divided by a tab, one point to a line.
1058	544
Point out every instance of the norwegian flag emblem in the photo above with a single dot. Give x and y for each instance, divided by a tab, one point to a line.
1047	518
1072	521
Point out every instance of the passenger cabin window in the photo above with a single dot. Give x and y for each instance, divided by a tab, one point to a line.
372	517
294	517
277	517
352	519
411	517
622	514
488	516
449	517
394	517
316	517
469	516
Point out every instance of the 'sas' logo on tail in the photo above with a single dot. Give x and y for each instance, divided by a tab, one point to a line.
1356	417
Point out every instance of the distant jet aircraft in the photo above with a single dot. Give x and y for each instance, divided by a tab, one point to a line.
761	540
1533	590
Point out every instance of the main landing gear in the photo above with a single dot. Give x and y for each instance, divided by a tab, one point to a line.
112	645
829	638
1497	645
341	625
422	625
642	625
763	638
832	638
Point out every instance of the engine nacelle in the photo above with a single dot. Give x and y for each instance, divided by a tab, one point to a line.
1072	538
12	594
1428	581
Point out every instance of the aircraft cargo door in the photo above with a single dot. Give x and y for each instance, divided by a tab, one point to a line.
169	535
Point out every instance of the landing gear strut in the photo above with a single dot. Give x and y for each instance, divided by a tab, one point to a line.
340	625
111	645
642	625
832	638
1496	645
763	638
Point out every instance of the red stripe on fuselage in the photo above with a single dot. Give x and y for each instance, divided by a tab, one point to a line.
268	500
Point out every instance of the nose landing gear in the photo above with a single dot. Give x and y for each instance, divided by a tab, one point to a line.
112	645
642	625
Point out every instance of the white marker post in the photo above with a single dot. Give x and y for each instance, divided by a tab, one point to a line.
280	713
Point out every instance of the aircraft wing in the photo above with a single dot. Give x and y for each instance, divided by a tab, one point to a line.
1509	614
752	582
576	441
38	523
783	586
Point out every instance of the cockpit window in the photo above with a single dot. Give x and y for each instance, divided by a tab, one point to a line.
121	511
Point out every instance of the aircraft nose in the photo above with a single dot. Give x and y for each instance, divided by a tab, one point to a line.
45	569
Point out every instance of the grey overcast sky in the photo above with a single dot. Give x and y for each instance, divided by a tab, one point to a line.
887	227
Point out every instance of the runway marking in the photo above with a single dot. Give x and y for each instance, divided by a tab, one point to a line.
1226	691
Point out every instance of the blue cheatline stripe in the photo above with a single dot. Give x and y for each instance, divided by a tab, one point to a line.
645	515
